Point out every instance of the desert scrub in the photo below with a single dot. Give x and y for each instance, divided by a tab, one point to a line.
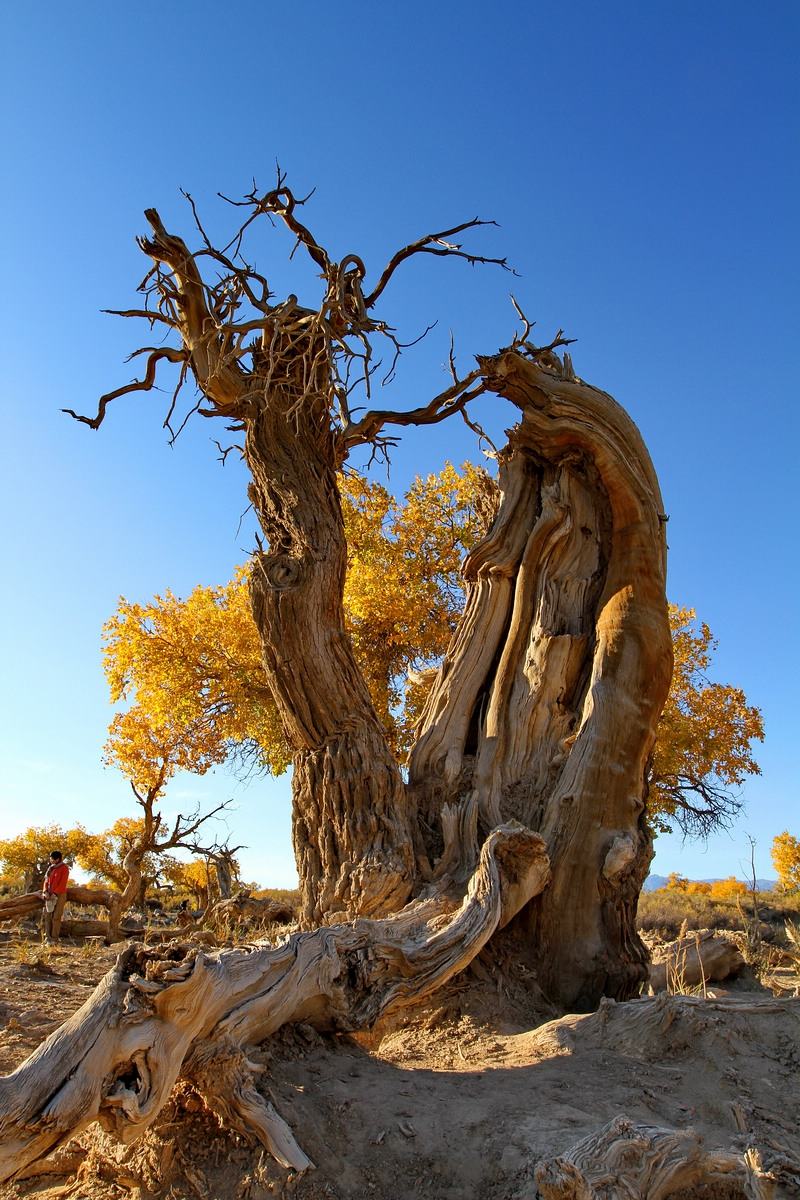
29	951
284	895
666	911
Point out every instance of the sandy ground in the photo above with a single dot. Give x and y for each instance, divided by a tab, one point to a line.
459	1103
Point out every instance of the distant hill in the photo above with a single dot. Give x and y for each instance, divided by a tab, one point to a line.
653	882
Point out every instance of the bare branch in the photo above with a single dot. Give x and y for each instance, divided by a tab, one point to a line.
184	827
435	243
452	400
225	451
175	394
138	385
146	313
281	202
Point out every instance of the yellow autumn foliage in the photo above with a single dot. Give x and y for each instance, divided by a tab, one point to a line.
703	750
785	855
194	668
728	889
194	877
102	854
190	670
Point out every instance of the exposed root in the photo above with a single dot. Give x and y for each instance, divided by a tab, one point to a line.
624	1161
163	1011
222	1073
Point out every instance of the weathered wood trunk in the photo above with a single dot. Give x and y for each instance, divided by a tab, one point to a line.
647	1162
165	1012
224	872
546	705
703	957
351	832
16	908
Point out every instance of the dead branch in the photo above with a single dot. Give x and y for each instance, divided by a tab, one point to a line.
451	400
435	243
332	345
138	385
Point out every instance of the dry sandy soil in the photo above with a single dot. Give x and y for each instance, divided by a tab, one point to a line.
460	1103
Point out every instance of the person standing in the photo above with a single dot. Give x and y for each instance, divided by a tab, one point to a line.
54	894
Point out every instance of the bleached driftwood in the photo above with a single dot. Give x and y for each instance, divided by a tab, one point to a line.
625	1161
702	957
171	1010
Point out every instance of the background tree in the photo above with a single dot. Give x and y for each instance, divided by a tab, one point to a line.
785	855
728	889
104	854
703	749
192	878
26	855
403	595
149	753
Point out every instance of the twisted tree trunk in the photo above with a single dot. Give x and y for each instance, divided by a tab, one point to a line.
544	710
547	702
351	832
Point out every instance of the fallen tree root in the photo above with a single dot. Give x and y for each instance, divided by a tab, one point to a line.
702	957
624	1161
169	1009
224	1076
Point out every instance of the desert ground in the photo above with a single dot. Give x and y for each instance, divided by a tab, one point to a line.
464	1100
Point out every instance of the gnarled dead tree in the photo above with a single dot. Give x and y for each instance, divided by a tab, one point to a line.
544	709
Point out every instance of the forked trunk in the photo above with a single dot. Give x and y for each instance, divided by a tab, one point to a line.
546	705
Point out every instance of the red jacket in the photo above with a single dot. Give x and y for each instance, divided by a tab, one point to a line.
55	881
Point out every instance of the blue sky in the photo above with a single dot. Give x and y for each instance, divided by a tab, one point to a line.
642	161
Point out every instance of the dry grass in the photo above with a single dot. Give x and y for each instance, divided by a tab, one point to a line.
30	951
666	910
284	895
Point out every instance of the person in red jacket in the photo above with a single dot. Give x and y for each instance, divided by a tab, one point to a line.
54	894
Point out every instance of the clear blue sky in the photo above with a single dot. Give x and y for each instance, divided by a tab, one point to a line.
642	160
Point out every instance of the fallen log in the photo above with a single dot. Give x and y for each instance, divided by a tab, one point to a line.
702	957
177	1010
16	908
83	927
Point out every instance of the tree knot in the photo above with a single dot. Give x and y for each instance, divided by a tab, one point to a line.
279	572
